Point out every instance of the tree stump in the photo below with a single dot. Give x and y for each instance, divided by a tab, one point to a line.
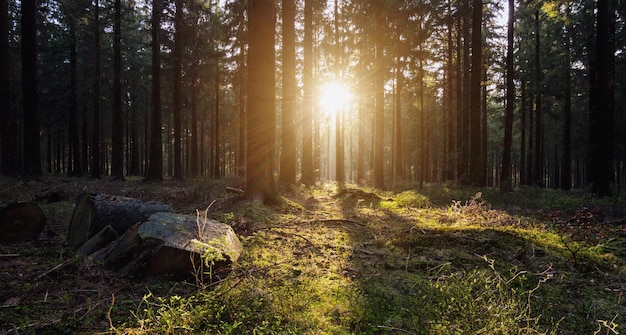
20	222
175	244
93	212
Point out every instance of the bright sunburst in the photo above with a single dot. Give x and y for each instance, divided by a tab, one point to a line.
334	97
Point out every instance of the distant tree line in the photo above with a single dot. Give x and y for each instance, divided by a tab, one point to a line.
444	91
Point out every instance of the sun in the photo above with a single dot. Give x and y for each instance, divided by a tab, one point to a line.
334	97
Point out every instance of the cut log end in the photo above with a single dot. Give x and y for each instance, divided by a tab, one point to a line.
20	222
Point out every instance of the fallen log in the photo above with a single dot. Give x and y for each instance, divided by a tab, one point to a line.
175	244
93	212
98	241
20	222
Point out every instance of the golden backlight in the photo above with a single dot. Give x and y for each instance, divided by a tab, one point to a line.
334	97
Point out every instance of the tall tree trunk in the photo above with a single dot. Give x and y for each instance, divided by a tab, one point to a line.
32	149
522	150
176	90
288	152
74	161
117	136
506	183
261	100
422	129
9	161
460	167
399	164
466	97
538	152
339	139
216	124
601	117
379	94
194	122
96	170
242	114
566	163
308	175
450	152
475	159
155	167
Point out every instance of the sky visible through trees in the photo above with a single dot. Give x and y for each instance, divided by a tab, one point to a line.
384	93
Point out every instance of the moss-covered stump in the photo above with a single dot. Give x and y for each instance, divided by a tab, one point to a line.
20	222
93	212
175	244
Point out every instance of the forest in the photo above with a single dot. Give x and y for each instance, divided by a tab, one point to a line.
388	166
374	93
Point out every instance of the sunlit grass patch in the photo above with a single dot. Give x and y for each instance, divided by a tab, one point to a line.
371	262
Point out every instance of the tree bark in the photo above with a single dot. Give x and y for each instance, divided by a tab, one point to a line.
261	94
93	212
566	163
74	161
288	152
601	118
176	90
379	112
175	244
32	149
95	136
155	167
475	158
9	161
308	175
506	182
117	135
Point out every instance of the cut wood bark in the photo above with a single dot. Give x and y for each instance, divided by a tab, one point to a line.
20	222
98	241
93	212
174	244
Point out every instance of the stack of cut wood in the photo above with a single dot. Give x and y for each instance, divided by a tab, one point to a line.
139	238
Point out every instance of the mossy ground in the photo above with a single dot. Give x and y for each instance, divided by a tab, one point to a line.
440	260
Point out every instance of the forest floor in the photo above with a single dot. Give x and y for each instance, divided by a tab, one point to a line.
438	260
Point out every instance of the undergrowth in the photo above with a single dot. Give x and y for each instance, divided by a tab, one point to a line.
367	262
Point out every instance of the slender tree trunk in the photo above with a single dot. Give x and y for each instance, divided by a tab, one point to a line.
177	107
522	151
475	159
242	115
117	136
155	167
450	152
422	129
601	118
399	164
32	149
464	172
261	100
96	170
288	152
9	161
194	123
74	161
308	176
538	162
216	124
566	163
506	183
459	109
379	94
